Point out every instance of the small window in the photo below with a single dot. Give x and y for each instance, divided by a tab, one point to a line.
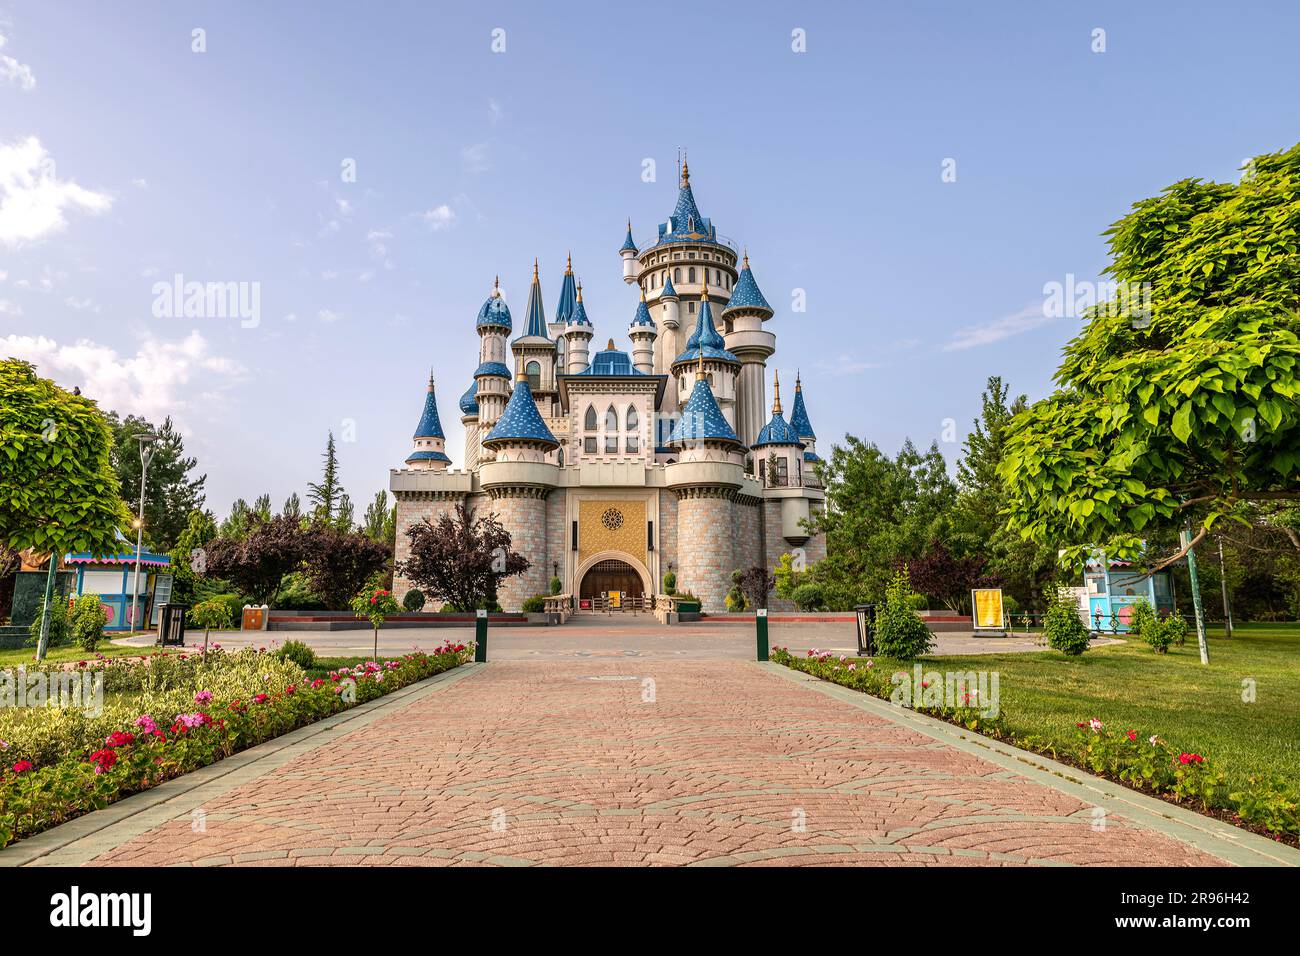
611	444
690	274
633	444
589	444
533	371
589	420
692	306
611	420
780	469
559	457
710	380
677	274
632	420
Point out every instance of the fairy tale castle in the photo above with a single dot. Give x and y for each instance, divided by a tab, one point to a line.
611	468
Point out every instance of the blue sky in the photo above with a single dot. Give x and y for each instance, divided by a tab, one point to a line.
127	158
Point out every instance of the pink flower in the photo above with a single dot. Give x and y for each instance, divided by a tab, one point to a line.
203	697
22	766
1153	740
190	721
853	666
260	698
146	723
1095	724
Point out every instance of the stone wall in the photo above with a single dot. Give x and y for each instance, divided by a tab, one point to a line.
412	509
705	533
557	535
667	532
747	546
523	513
774	545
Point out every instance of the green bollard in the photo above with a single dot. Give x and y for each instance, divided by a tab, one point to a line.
760	621
480	637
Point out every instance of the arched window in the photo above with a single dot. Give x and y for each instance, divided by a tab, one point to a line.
589	420
611	420
534	372
677	274
632	420
559	457
633	441
690	274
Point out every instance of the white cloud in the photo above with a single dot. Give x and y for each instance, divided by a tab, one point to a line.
141	182
33	198
13	72
439	217
344	207
9	307
72	302
328	315
1017	323
846	365
494	111
475	158
162	378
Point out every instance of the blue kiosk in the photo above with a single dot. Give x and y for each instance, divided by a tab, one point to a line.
112	577
1113	585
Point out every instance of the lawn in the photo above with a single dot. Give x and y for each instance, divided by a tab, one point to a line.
13	657
1194	708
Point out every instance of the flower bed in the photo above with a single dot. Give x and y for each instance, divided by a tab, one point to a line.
1142	762
169	715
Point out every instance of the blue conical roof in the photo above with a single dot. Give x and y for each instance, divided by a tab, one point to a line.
469	401
799	414
579	316
568	295
642	317
777	432
494	312
686	221
521	421
746	295
705	337
668	289
430	426
628	243
535	317
701	419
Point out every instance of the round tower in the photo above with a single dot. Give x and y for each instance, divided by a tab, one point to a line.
429	453
577	337
721	367
492	377
669	340
628	252
744	316
469	419
642	332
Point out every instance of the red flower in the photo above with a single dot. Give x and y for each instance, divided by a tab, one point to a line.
22	766
120	739
260	699
290	689
1186	758
103	760
1132	734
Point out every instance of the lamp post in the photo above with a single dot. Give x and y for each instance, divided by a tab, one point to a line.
146	440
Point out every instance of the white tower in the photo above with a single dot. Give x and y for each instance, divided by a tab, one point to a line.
577	336
643	334
628	252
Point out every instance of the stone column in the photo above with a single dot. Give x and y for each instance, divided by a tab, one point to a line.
522	510
705	544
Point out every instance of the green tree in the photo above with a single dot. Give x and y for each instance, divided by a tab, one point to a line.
1178	402
325	495
58	490
171	492
189	557
380	519
292	506
235	526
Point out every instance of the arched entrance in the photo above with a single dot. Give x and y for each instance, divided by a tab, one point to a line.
610	575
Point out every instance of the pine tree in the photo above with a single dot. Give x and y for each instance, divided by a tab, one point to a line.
292	506
378	521
325	496
344	518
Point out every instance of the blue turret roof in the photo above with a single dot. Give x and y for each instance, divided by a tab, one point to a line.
535	317
568	295
705	337
701	419
610	361
642	317
427	456
495	311
579	316
468	401
799	414
668	291
628	243
521	420
430	426
746	295
777	432
492	368
686	221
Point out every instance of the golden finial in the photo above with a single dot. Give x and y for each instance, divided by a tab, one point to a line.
686	171
534	268
568	269
643	293
609	347
705	293
699	369
798	387
776	392
521	377
496	286
747	258
431	378
579	290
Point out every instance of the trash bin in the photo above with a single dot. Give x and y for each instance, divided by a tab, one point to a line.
866	614
171	624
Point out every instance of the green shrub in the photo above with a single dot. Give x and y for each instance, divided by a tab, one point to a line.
414	600
1063	628
299	653
735	597
87	622
235	603
670	583
918	602
900	633
556	585
60	624
535	604
807	597
1176	629
211	614
1142	620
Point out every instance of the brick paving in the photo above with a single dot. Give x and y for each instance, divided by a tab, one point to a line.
642	763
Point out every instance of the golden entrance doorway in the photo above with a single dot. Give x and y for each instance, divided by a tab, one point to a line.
607	578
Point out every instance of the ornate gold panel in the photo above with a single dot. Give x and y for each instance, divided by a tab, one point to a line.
611	526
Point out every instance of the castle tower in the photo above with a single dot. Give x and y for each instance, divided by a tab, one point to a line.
519	479
744	317
721	367
628	252
778	452
492	377
643	334
535	353
668	344
577	337
801	425
563	312
430	452
469	419
705	479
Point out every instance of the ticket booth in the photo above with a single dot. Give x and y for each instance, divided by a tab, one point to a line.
1113	586
113	578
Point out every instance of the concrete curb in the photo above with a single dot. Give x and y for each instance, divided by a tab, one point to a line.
1231	844
81	840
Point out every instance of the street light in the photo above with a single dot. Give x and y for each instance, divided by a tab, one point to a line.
146	440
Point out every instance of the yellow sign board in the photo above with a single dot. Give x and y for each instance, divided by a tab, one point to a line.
986	605
615	599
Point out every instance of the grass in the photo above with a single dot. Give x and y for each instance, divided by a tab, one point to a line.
27	655
1195	708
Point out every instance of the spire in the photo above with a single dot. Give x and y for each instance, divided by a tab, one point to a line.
641	322
629	244
579	314
776	392
701	419
700	376
521	422
430	426
669	292
777	431
799	414
706	337
568	294
746	297
535	324
568	269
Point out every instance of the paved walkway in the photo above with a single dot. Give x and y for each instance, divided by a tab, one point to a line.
633	762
